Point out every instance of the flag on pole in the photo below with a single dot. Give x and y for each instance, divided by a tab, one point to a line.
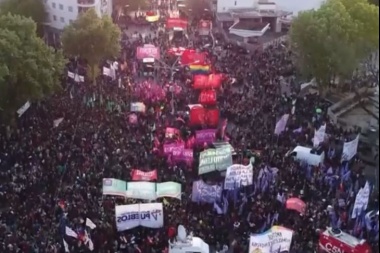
90	224
70	232
66	246
281	124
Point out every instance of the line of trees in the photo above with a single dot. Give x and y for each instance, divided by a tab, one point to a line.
334	40
30	69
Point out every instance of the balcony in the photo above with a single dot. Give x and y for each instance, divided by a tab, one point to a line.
86	3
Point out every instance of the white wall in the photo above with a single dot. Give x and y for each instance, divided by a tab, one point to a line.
225	5
62	12
296	6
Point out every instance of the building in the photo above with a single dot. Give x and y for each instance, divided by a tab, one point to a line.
250	20
63	12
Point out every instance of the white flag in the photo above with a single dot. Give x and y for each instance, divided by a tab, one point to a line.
71	232
57	122
90	224
88	242
66	246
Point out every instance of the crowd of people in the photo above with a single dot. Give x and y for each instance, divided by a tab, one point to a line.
51	172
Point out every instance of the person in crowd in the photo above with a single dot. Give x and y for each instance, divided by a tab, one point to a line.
53	172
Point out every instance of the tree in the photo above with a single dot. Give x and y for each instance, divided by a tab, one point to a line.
29	69
34	9
93	39
330	42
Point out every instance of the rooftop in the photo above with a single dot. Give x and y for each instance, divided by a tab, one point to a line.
251	26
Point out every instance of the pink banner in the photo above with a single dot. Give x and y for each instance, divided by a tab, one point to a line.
171	132
173	147
138	175
183	155
148	51
205	136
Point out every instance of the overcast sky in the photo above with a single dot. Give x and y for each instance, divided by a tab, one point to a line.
298	5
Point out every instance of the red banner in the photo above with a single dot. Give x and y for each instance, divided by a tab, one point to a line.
207	97
212	117
176	23
190	56
138	175
212	81
200	116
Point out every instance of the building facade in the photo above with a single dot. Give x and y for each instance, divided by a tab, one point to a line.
63	12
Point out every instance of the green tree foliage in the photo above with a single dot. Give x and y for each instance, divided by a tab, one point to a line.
29	69
332	40
93	39
34	9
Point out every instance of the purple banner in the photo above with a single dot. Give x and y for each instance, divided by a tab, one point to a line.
203	192
185	155
173	147
205	136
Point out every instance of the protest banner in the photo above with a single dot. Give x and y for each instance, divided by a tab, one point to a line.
169	148
203	192
205	136
238	175
149	215
112	186
277	239
169	189
138	175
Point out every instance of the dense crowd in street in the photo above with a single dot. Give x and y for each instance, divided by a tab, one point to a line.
51	172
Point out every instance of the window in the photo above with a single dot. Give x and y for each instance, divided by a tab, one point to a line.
71	21
62	19
54	17
235	3
61	6
53	5
70	9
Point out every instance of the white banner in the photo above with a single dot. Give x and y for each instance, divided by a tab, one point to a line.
152	191
277	239
361	201
149	215
23	109
141	190
238	175
350	149
319	136
138	107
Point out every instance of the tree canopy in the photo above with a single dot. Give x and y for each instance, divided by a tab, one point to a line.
334	39
34	9
93	39
29	69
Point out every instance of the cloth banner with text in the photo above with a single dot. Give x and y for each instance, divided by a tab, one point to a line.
207	97
169	148
350	149
276	239
214	159
150	215
238	175
212	81
205	136
148	51
178	24
182	155
205	193
139	175
141	190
